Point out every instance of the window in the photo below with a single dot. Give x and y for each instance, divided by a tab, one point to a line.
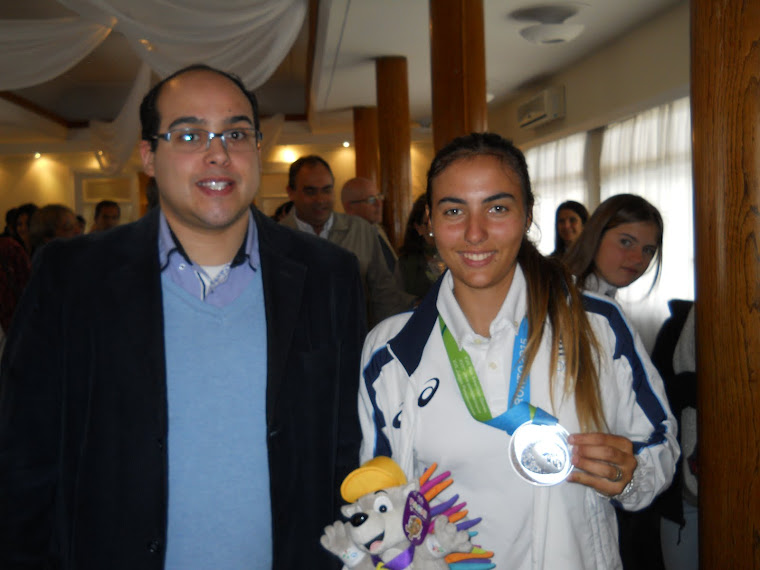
650	155
556	174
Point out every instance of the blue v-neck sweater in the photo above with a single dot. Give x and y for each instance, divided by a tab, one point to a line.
219	508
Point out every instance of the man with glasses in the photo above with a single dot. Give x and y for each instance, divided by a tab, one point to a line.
361	198
180	392
311	188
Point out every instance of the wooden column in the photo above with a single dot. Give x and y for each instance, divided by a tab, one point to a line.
365	142
458	68
395	139
725	72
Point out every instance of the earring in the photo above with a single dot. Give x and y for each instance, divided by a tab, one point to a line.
430	233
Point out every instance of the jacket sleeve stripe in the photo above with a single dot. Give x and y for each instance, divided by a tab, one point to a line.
370	374
625	347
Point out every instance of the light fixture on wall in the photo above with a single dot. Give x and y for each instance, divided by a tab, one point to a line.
549	23
37	155
346	144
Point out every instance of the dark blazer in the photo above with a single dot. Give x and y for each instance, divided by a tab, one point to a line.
83	411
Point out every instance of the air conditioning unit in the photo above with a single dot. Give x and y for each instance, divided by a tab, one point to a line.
546	106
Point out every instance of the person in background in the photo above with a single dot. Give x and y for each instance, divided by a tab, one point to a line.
14	274
282	210
10	221
107	216
51	222
420	264
180	392
617	245
311	188
81	225
674	354
505	339
569	220
21	227
360	197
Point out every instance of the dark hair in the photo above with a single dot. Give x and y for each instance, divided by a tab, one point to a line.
43	224
282	210
310	160
559	244
105	204
413	242
483	144
150	118
551	294
27	210
10	217
614	211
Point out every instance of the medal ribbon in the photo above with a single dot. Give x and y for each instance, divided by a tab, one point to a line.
519	409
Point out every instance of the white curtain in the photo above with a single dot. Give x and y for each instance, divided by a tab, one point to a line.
35	51
556	174
247	37
650	155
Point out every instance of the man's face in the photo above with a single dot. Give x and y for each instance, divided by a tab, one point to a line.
366	203
208	191
108	218
313	195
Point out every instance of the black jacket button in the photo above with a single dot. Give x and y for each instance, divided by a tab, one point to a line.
154	546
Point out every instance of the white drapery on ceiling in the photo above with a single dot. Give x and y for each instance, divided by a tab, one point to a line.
247	37
35	51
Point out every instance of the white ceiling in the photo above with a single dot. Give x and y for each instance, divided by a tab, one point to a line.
350	35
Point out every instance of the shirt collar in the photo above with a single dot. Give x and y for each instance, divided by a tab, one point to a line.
597	284
304	227
511	312
169	244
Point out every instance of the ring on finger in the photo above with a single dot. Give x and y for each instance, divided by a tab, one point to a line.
618	474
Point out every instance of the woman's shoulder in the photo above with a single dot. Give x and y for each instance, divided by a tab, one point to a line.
387	329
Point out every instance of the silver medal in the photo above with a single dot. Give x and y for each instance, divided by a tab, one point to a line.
540	453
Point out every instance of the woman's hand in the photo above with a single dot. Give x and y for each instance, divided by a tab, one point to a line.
603	462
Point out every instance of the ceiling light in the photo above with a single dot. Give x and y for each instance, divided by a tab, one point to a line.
288	155
550	25
346	144
37	155
552	33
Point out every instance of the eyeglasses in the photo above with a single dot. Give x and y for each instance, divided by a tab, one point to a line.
372	200
198	140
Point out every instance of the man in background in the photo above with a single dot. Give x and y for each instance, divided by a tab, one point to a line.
311	188
180	392
360	197
107	216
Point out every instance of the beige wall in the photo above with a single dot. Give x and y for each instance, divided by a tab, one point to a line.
646	67
46	180
53	179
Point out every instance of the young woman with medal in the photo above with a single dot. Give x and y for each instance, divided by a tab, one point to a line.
541	402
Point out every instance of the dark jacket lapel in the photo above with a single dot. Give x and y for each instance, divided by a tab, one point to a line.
283	282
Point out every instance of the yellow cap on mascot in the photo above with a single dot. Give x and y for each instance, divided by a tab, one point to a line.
378	473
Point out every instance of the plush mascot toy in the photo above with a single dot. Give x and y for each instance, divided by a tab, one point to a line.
392	524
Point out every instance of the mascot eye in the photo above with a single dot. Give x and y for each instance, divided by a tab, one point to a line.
383	505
